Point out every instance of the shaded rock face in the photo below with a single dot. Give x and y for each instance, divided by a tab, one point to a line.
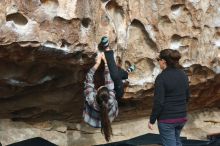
37	85
47	46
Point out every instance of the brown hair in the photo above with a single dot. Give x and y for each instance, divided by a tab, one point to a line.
171	57
102	99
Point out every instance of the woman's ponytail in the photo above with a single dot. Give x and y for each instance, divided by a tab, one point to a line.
106	128
102	99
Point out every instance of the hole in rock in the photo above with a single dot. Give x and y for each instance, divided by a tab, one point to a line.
18	18
113	5
165	19
86	22
138	29
147	65
116	13
47	1
176	7
175	37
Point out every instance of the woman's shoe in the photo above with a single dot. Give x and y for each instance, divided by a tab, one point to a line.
131	68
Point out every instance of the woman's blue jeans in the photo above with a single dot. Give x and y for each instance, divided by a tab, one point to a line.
170	133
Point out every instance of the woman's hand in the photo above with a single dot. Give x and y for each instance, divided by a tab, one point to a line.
103	58
99	58
150	126
98	61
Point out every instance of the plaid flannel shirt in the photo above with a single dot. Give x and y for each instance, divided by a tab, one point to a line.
91	111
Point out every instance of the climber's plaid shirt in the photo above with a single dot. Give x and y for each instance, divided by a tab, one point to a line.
91	112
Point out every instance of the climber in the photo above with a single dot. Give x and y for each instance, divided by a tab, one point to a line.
117	73
101	106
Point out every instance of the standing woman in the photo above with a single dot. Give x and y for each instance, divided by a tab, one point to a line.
171	95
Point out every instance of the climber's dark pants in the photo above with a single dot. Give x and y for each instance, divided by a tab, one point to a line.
117	74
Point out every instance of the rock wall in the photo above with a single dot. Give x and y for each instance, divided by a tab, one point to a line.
47	46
